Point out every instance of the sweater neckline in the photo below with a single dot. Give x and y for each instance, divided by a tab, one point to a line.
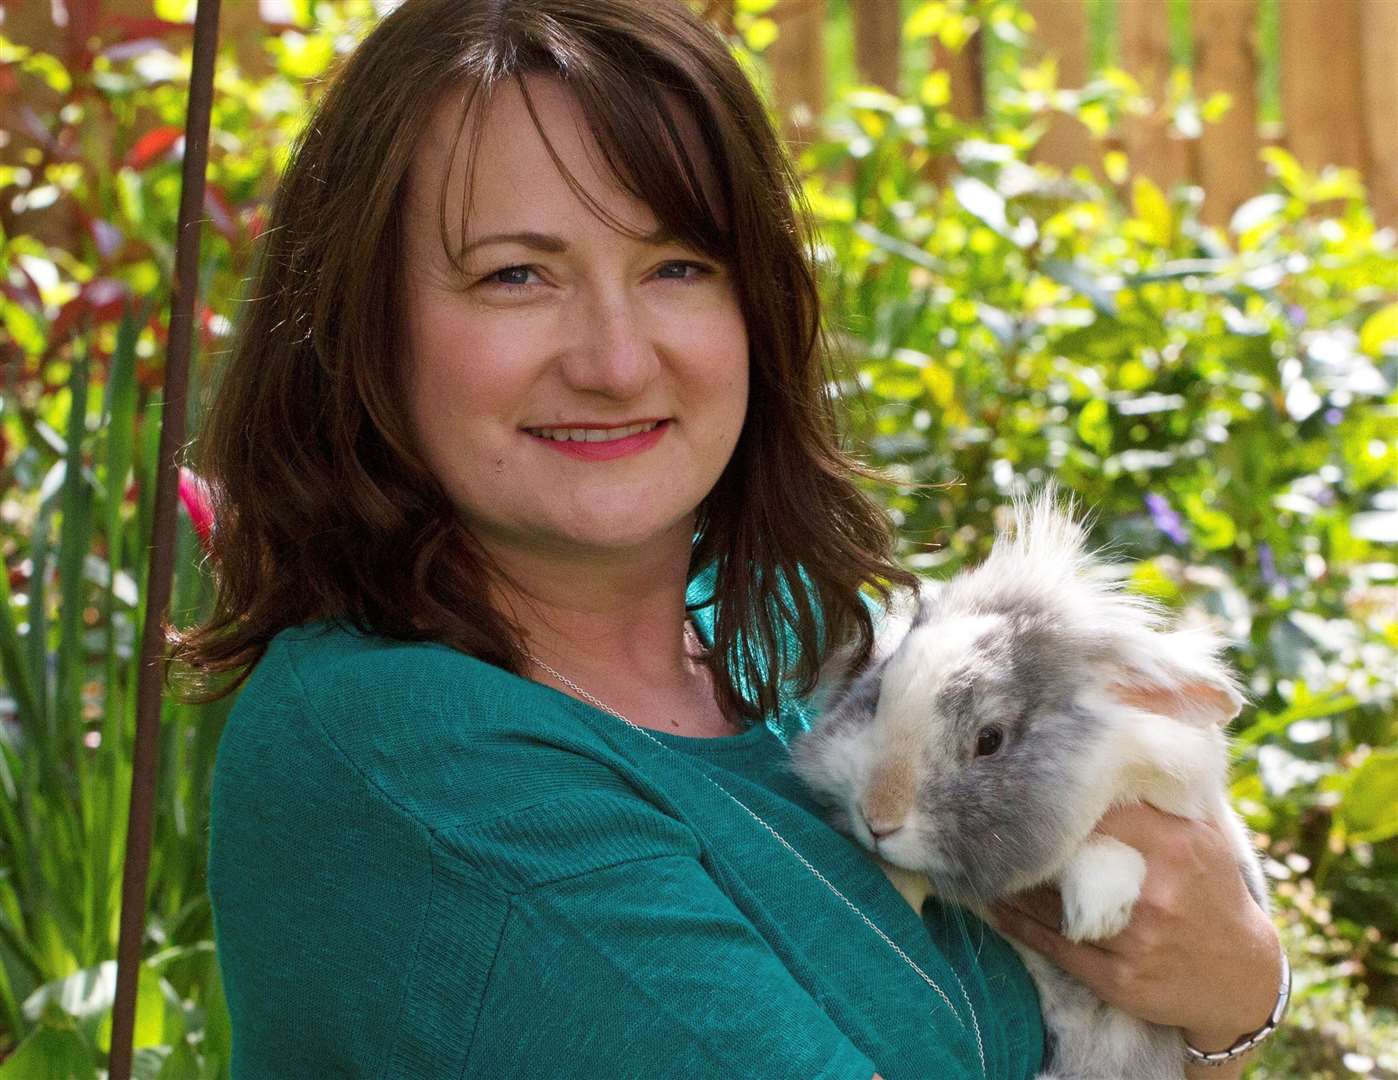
704	744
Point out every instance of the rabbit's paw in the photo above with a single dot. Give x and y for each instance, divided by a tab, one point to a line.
1099	889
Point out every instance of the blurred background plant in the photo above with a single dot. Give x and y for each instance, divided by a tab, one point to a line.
1213	373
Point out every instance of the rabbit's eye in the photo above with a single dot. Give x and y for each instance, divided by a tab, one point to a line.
989	740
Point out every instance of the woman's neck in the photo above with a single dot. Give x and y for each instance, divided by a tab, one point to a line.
601	622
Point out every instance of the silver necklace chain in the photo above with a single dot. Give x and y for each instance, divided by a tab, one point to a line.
975	1024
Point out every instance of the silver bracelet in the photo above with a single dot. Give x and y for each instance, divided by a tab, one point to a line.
1247	1042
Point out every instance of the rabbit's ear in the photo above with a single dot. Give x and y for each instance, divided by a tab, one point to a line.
1178	675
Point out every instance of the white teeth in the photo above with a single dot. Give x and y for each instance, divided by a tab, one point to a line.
591	434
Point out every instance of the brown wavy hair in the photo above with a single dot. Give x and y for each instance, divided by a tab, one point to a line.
324	506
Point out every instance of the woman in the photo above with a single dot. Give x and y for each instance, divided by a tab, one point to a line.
533	532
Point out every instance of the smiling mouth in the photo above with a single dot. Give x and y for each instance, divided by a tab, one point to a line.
595	434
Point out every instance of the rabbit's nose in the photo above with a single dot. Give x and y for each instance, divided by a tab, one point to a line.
881	829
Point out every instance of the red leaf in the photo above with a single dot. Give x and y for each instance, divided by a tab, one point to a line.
130	28
83	17
23	289
101	300
152	145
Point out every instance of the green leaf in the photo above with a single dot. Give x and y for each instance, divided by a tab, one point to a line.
1369	808
1378	330
24	329
760	34
1216	106
75	541
182	1064
983	201
303	56
1153	210
51	1053
175	10
1094	427
926	20
1148	578
1215	530
935	90
50	69
1099	290
87	997
13	665
1286	169
150	1015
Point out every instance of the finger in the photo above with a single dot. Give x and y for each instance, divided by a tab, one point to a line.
1141	825
1042	903
1197	843
1133	820
1090	963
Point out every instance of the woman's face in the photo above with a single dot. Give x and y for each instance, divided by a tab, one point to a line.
562	323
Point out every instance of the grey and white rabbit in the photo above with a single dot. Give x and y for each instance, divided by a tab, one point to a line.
980	747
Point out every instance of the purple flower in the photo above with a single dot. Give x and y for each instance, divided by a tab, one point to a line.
1297	314
1333	416
1165	518
1267	563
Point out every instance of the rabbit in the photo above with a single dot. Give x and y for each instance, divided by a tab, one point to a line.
992	729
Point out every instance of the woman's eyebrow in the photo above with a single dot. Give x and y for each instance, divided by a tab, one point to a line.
555	244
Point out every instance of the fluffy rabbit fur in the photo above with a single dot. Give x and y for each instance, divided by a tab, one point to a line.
999	721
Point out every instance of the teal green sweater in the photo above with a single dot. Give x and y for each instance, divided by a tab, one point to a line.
422	866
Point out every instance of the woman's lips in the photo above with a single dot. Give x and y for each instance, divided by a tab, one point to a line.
606	451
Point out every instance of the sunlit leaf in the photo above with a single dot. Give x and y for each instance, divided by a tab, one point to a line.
1215	107
1369	807
1094	428
1380	331
1100	291
1286	169
1213	528
51	1053
1117	166
935	89
1153	210
926	20
180	11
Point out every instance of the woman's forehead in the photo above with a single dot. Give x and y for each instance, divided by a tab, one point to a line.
514	180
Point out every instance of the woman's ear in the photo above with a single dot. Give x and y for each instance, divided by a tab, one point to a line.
1176	674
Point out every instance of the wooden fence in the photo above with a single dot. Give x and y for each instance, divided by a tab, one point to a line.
1338	61
1339	84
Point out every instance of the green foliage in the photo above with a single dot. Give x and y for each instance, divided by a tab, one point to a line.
1222	397
84	310
1224	400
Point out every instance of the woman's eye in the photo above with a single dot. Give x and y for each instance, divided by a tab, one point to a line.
989	740
700	270
507	276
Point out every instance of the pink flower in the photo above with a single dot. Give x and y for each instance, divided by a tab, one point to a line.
195	497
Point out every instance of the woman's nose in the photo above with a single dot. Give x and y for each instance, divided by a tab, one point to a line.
613	351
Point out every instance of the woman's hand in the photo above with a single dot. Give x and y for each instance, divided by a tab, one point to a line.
1198	954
